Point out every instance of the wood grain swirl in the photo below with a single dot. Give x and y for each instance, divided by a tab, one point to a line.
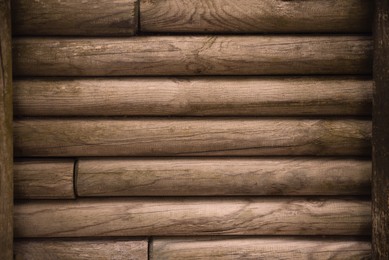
192	55
205	96
191	137
201	216
44	179
252	16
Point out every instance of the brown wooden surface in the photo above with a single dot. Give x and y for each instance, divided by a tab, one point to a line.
61	249
252	16
190	137
253	96
192	55
44	179
380	188
75	17
200	216
6	154
209	177
260	248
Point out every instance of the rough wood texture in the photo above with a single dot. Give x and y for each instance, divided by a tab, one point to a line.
202	216
380	188
193	55
252	16
6	153
208	177
260	248
44	179
75	17
81	249
250	96
190	137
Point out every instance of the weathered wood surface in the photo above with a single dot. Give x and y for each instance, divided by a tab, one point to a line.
6	153
260	248
201	216
75	17
191	136
380	183
209	177
63	249
224	96
252	16
192	55
44	179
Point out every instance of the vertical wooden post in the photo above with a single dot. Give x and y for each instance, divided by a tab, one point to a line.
6	153
380	178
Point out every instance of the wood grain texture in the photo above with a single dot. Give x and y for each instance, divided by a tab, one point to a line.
62	249
380	183
208	96
252	16
260	248
6	151
44	179
189	216
192	55
75	17
209	177
191	137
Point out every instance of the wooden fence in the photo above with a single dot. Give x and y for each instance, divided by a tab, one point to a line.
209	129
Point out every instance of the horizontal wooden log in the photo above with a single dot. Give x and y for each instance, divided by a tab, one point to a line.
81	249
193	96
202	216
190	137
75	17
261	248
252	16
192	55
44	179
208	177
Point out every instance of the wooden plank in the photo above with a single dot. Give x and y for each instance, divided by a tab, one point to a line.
193	55
209	177
6	153
191	137
252	16
74	17
260	248
62	249
380	178
44	179
189	216
224	96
